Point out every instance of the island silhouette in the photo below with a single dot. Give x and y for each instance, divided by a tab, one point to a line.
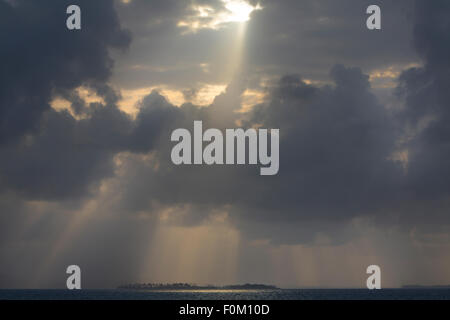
189	286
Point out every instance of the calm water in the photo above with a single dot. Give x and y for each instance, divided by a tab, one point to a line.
285	294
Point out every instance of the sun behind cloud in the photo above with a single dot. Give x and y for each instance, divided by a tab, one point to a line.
207	17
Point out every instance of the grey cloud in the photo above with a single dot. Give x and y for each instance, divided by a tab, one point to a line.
426	112
338	139
47	154
323	33
285	37
336	146
40	55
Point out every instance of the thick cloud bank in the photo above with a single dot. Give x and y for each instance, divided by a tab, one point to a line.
344	155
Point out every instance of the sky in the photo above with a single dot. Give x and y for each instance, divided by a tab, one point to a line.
86	116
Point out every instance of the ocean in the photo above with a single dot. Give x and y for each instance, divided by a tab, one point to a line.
280	294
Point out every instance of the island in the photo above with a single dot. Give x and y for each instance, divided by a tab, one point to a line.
188	286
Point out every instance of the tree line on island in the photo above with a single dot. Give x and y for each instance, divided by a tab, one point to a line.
188	286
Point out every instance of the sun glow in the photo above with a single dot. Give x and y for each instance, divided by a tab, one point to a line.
207	17
239	11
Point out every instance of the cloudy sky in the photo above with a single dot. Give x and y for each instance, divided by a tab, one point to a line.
86	117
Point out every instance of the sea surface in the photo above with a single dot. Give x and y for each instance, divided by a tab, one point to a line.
281	294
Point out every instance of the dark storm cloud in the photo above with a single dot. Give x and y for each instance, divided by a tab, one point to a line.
427	112
336	146
66	156
337	141
40	55
40	58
